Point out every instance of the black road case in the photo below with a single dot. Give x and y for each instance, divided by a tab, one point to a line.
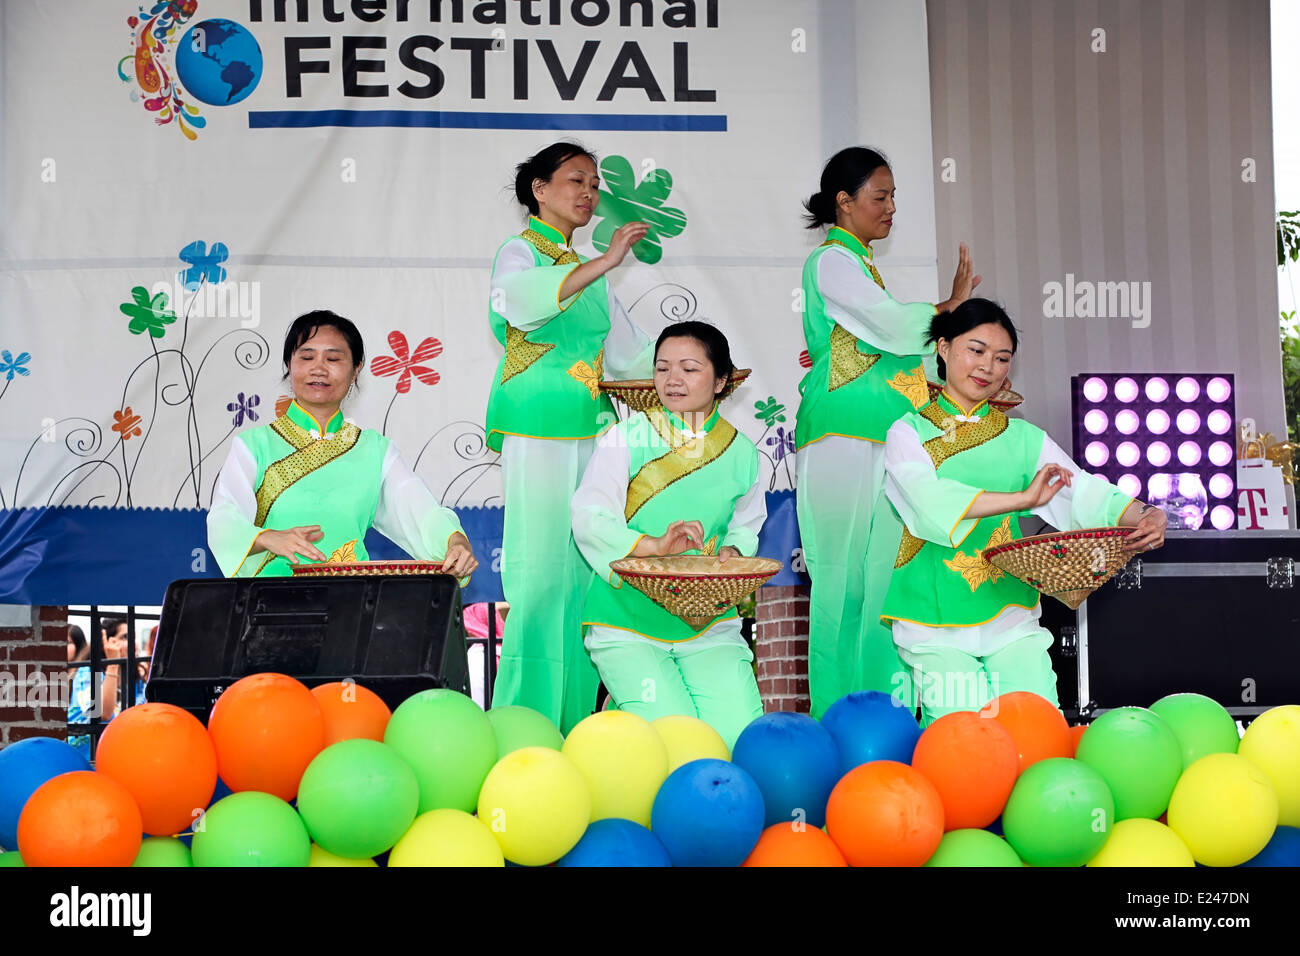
394	635
1212	612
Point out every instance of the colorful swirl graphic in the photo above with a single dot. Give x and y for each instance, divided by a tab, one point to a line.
152	36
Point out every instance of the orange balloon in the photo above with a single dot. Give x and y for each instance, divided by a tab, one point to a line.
782	845
1038	728
1076	734
884	813
266	728
973	762
81	818
164	758
351	711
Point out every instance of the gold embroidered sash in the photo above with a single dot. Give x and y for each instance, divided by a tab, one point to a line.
958	436
848	361
308	455
683	459
561	257
908	548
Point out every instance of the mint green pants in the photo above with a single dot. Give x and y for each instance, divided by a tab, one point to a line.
952	675
710	677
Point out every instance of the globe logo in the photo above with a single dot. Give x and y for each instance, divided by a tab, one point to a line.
219	62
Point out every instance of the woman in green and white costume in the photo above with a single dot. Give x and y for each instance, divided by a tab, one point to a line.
311	483
960	475
675	480
867	371
563	331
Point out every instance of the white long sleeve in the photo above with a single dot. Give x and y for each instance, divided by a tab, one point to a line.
747	521
931	507
527	294
629	352
597	508
231	532
409	515
868	312
1089	501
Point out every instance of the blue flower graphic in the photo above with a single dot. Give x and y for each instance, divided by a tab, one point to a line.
243	408
10	365
203	264
782	442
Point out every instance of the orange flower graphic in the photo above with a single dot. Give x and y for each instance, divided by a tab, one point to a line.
127	423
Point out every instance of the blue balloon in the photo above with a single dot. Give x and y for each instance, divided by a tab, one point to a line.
795	763
24	766
1282	850
614	842
869	725
708	813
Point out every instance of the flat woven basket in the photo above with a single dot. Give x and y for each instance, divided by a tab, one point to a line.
1066	565
365	568
639	394
1002	401
697	588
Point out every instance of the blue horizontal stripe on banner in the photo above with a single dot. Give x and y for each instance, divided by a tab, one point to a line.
60	556
452	119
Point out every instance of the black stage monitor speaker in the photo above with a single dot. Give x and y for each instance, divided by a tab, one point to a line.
394	635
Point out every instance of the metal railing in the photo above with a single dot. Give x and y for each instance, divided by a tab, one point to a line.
98	665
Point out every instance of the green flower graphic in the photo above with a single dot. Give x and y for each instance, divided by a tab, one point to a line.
148	314
770	412
624	201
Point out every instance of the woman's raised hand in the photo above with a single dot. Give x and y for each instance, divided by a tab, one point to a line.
680	536
964	280
1049	480
460	559
293	542
625	237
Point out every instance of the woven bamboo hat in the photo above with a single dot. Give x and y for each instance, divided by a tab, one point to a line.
697	588
1066	565
337	569
1002	401
639	394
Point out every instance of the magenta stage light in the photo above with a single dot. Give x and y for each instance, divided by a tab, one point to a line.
1219	421
1187	389
1221	453
1095	389
1220	485
1189	453
1096	421
1096	454
1188	421
1131	485
1158	454
1126	421
1126	389
1157	389
1223	517
1157	421
1218	389
1127	454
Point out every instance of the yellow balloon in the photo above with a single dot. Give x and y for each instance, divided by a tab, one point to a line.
1224	809
689	738
1272	743
446	837
323	857
624	760
536	803
1141	842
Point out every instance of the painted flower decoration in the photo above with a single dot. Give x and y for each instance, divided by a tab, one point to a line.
204	264
147	313
282	404
244	408
11	366
782	442
126	423
805	359
770	411
623	200
406	363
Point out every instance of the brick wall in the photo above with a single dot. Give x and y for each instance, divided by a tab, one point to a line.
781	648
33	681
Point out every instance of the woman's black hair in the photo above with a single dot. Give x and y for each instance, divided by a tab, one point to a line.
305	326
78	638
968	315
715	344
543	165
847	170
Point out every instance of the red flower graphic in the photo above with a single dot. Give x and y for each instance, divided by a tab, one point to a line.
406	363
805	359
128	423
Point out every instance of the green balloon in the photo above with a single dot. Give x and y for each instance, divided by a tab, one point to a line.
1059	814
973	848
449	743
1139	758
357	798
517	727
11	859
250	829
1201	725
163	851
